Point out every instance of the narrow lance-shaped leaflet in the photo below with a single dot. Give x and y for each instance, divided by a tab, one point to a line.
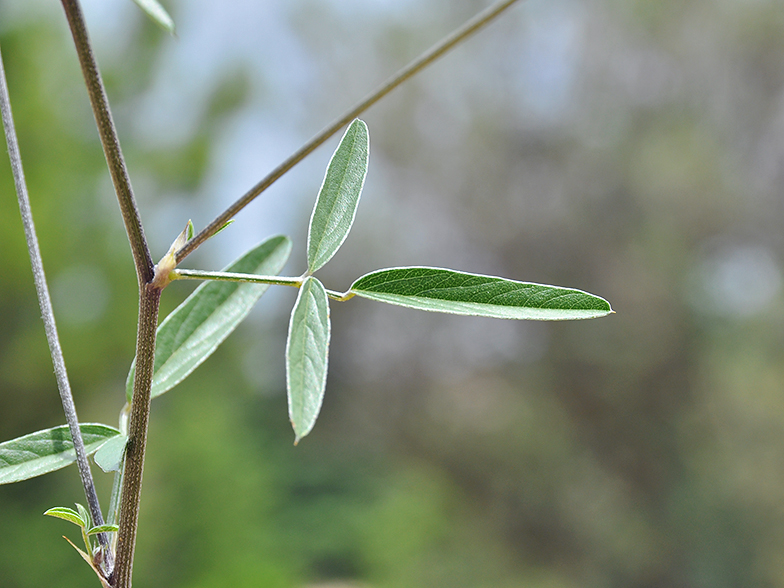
109	457
443	290
307	350
157	13
70	515
336	205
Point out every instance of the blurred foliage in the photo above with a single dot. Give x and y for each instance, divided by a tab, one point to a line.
634	149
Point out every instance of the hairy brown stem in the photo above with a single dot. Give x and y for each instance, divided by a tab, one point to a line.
149	299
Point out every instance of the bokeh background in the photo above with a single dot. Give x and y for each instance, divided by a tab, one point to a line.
630	148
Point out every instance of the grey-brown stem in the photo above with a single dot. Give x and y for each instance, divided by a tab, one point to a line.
45	303
149	299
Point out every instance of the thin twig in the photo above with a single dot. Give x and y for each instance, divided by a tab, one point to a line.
401	76
47	314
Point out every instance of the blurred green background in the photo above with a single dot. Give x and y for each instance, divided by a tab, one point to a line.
631	148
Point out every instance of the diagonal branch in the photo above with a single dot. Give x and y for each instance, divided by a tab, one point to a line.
47	314
421	62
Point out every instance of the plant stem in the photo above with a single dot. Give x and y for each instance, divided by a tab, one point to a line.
149	299
45	303
110	141
401	76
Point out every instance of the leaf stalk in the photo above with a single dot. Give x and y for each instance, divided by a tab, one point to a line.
185	274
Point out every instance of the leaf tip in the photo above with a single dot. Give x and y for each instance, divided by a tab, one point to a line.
297	436
157	14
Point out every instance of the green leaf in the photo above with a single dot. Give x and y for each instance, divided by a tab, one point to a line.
84	515
157	13
109	457
225	225
113	513
306	356
336	205
48	450
67	514
442	290
192	332
103	529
